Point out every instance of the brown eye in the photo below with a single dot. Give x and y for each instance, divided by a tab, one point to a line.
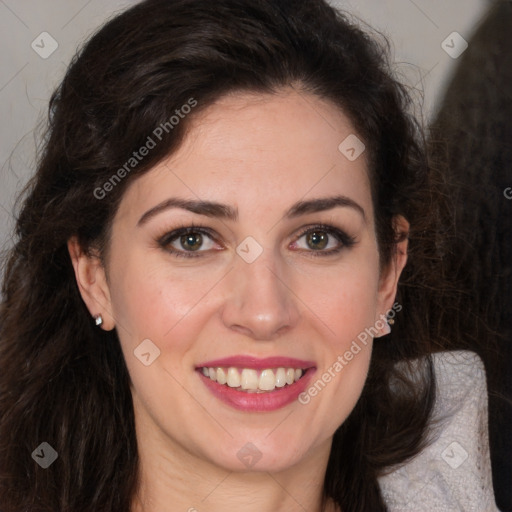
323	240
191	241
317	240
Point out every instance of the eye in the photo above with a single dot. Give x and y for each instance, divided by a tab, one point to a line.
318	240
324	240
188	240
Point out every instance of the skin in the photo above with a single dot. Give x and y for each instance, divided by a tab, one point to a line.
259	154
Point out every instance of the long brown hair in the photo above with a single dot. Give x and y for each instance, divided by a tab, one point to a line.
471	137
63	381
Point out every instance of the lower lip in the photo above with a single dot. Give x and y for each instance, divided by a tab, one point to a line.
259	402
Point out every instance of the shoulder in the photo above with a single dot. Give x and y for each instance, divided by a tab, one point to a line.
453	472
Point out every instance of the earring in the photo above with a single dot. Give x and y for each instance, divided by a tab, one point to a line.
98	319
391	321
386	329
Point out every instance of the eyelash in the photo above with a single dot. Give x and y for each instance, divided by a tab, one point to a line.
165	241
346	241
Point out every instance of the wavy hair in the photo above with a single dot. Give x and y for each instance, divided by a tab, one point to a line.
65	382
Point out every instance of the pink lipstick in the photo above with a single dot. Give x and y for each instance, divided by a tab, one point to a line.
256	385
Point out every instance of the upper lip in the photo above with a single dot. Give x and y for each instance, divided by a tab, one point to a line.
257	363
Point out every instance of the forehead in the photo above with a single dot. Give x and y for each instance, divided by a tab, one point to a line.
261	152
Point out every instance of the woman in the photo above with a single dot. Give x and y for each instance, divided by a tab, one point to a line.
214	237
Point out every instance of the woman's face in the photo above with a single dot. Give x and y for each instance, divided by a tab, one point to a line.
249	255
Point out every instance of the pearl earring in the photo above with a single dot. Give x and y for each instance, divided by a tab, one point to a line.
98	319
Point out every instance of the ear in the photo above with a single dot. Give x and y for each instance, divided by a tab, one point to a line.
92	282
388	280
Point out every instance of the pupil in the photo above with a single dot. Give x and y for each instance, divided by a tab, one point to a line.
317	240
192	241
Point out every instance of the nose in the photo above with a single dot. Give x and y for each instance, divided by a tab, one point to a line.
260	303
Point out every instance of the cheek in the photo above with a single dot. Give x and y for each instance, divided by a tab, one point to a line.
345	299
346	310
151	303
150	300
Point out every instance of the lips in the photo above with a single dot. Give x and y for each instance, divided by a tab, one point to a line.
252	384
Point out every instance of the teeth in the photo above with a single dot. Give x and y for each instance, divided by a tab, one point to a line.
280	377
233	378
248	379
267	380
221	376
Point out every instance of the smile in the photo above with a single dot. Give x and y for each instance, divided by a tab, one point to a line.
252	384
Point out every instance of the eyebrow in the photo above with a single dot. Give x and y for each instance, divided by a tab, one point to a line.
207	208
322	204
223	211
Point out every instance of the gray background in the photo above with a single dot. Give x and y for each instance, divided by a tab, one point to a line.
416	28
